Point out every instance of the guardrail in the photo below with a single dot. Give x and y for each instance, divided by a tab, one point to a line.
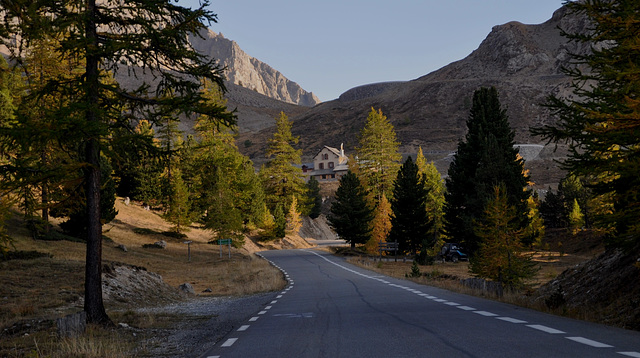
388	246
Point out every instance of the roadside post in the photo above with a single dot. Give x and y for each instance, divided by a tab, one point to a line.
224	242
188	249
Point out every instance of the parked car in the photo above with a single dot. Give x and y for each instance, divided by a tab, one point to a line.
452	252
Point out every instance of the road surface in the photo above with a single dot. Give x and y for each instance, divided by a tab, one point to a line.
333	309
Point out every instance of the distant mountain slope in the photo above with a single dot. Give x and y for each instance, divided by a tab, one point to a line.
522	61
246	71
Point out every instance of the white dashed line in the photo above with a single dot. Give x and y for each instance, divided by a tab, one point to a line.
545	329
451	304
268	307
512	320
253	319
272	302
485	313
589	342
229	342
440	300
262	312
279	296
243	328
466	308
213	357
630	354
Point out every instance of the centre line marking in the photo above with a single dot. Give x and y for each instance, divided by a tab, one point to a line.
485	313
630	354
243	328
545	329
512	320
229	342
589	342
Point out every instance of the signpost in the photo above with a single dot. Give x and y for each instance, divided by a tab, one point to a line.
224	242
189	248
388	246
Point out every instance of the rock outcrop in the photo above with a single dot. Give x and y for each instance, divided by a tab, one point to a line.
248	72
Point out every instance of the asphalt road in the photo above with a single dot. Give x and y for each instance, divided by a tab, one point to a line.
333	309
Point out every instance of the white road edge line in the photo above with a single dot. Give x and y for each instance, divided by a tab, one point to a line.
485	313
253	319
229	342
545	329
262	312
466	308
589	342
243	328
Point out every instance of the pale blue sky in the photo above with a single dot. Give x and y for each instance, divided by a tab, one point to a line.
330	46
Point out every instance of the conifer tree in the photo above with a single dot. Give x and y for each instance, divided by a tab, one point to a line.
350	215
600	121
435	192
150	34
410	225
280	177
294	221
377	154
485	158
381	225
314	197
501	254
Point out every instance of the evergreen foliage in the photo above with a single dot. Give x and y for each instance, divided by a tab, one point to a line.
281	179
314	197
600	121
410	226
501	253
105	38
485	158
350	215
378	156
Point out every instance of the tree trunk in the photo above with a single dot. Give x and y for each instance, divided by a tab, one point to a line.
93	303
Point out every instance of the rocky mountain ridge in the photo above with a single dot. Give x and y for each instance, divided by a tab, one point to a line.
248	72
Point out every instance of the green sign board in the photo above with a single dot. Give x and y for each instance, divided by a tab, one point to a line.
224	242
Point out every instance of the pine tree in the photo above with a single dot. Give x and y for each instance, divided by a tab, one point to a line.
280	177
314	197
600	121
377	154
485	159
153	35
410	225
501	254
294	221
350	215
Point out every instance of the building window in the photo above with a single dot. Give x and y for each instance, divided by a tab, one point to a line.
321	166
333	176
324	176
325	156
330	164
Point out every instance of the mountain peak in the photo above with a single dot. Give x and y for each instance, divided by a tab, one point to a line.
248	72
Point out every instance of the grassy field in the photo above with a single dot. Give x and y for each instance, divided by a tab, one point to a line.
34	292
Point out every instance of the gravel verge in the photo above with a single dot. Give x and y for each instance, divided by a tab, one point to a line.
198	324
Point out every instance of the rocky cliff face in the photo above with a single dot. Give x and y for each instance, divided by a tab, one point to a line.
248	72
522	61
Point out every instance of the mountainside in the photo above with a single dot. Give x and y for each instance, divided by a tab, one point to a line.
246	71
522	61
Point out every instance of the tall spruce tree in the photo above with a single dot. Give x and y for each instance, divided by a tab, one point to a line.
378	155
486	158
410	225
600	122
350	215
314	198
151	35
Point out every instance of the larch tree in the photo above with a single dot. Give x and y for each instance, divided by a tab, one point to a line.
410	225
131	36
600	122
435	192
501	254
377	154
485	158
350	214
380	225
281	178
